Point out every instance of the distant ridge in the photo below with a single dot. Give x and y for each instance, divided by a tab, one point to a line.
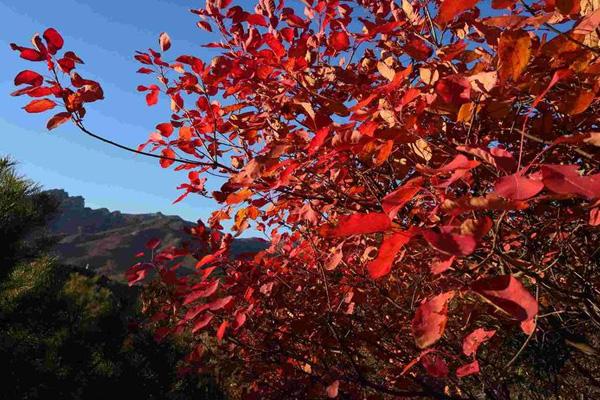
106	241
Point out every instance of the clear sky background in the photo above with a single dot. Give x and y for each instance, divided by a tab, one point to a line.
105	35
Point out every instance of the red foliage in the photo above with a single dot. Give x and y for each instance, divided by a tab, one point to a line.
397	160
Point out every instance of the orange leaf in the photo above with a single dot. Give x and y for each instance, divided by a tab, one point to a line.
514	49
332	390
185	133
37	106
238	197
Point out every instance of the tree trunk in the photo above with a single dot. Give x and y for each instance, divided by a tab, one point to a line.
588	7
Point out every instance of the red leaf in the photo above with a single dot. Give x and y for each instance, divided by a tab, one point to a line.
37	106
390	246
29	78
332	390
204	25
57	120
339	41
517	187
499	4
434	365
356	224
221	331
54	40
200	294
72	56
202	323
440	265
153	243
152	97
274	44
165	129
430	320
220	303
450	243
474	339
164	41
594	216
167	162
451	8
508	294
454	89
467	369
394	201
66	65
318	140
256	19
28	54
565	179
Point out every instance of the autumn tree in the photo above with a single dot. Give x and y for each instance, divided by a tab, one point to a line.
427	173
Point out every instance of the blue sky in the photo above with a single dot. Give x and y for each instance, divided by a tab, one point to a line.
105	35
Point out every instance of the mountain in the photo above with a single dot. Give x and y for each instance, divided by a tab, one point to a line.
106	241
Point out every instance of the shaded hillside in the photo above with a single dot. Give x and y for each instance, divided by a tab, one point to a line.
106	241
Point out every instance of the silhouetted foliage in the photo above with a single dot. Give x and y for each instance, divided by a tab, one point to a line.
67	333
23	210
